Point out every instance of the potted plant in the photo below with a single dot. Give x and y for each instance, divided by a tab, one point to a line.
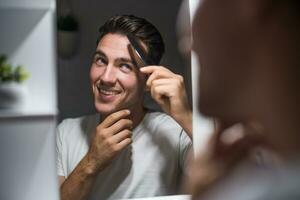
67	27
13	93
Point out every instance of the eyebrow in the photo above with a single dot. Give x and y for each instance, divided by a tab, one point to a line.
121	59
100	53
124	60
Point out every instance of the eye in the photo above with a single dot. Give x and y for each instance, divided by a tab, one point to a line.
99	61
125	67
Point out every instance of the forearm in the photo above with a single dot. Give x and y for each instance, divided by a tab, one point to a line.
185	120
80	182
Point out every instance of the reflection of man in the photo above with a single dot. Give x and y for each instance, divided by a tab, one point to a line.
126	151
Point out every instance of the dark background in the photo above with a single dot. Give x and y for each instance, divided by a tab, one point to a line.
74	93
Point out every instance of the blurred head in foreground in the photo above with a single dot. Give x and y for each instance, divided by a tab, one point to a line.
248	52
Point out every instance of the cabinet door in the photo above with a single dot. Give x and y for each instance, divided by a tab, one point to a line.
27	154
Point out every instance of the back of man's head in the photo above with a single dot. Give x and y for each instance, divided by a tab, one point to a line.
140	28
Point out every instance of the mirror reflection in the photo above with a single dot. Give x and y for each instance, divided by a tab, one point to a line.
125	117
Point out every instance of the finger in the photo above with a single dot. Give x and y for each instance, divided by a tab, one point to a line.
169	89
119	137
173	84
240	150
159	75
232	134
160	94
119	126
238	133
163	81
156	73
114	117
124	143
215	140
150	69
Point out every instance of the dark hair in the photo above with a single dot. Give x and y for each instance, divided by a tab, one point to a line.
140	28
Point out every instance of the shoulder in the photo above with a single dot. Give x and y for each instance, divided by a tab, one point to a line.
166	133
76	125
162	123
161	119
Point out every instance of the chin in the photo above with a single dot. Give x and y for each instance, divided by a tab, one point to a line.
105	109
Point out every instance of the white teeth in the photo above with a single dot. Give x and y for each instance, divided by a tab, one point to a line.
108	92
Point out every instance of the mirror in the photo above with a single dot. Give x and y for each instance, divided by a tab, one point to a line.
74	87
75	98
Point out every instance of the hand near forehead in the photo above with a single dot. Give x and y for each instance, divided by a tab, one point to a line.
168	90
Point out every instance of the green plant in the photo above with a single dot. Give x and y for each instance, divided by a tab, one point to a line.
67	23
10	74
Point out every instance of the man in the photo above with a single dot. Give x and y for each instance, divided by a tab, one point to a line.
249	57
126	151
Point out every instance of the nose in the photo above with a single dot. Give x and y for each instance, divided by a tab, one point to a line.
109	76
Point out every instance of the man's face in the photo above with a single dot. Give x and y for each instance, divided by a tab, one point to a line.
221	42
115	79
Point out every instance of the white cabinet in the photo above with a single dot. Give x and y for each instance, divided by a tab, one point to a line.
28	38
27	144
27	154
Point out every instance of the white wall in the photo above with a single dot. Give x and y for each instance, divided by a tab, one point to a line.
202	127
27	145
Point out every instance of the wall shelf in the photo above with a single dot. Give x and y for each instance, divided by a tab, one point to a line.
26	113
28	38
27	145
27	4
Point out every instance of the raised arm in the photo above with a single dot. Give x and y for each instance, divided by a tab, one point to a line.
168	90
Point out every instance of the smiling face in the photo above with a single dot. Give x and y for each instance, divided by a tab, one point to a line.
115	79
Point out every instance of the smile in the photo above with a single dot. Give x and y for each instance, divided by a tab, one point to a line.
106	91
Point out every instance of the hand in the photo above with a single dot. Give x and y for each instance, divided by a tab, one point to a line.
227	148
168	90
111	136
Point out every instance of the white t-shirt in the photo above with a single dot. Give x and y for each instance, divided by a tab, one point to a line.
151	166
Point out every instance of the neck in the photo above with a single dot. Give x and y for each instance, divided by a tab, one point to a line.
136	115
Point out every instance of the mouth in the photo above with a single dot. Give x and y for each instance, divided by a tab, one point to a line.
107	91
